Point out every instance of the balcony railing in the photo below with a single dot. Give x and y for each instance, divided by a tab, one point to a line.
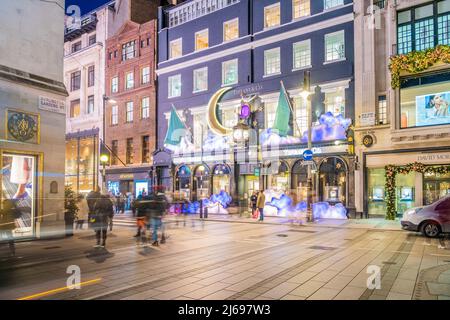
195	9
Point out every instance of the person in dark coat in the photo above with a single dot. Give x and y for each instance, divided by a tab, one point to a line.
7	225
103	214
158	207
91	199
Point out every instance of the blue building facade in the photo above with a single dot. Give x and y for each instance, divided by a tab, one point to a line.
259	50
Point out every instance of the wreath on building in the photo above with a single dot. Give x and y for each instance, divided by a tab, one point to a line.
391	173
417	61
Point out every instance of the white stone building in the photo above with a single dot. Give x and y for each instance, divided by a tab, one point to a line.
84	76
405	124
32	114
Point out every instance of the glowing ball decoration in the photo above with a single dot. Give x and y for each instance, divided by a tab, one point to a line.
245	111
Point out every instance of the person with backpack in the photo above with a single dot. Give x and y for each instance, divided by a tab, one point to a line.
8	214
103	214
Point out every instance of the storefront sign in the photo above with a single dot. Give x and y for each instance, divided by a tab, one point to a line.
52	105
367	119
380	160
126	176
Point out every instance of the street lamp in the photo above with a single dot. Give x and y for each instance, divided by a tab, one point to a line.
104	160
105	100
305	94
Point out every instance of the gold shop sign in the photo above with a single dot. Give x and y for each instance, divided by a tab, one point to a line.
22	126
126	176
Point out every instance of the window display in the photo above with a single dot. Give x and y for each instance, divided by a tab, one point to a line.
435	187
221	179
183	183
426	104
19	185
376	191
333	175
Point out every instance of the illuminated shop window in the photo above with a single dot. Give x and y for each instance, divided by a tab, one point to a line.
272	62
301	8
270	109
302	54
201	40
176	48
329	4
174	86
231	30
74	108
335	46
335	102
200	79
230	72
301	115
272	15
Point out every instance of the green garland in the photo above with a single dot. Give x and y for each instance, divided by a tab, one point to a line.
417	61
391	173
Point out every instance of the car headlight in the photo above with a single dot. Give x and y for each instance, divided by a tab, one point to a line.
412	211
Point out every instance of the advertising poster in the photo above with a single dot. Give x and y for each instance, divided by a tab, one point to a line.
18	188
433	109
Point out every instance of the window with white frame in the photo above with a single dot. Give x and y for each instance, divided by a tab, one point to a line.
272	15
200	130
176	48
145	75
201	40
114	115
129	50
301	116
270	109
329	4
201	79
382	110
115	85
174	86
301	8
129	112
272	62
145	108
230	72
335	102
129	80
335	46
231	30
229	117
302	54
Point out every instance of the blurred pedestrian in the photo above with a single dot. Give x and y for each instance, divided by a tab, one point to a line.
103	214
8	214
260	203
91	199
83	212
253	200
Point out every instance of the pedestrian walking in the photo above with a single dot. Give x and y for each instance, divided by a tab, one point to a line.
91	199
141	214
253	200
260	203
8	214
83	212
103	213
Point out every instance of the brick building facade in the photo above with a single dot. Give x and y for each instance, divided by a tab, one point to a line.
130	106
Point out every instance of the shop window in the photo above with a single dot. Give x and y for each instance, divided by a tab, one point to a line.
174	86
335	46
74	108
335	102
332	178
279	178
299	181
272	63
201	79
376	191
201	182
129	50
425	101
221	179
301	8
201	40
176	48
183	183
272	15
129	112
329	4
145	108
302	54
129	151
231	30
230	72
435	187
416	27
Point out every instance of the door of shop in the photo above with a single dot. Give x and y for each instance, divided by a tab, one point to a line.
126	186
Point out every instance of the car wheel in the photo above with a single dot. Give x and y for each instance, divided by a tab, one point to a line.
431	229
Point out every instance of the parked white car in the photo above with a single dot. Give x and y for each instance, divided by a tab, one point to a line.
431	220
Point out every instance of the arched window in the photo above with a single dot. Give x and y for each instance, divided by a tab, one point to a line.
183	182
332	177
201	182
221	178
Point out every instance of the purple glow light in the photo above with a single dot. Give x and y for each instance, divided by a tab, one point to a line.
245	111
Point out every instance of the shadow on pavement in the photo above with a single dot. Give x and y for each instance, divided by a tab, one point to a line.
99	255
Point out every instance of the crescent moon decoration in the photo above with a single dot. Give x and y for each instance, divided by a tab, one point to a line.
213	122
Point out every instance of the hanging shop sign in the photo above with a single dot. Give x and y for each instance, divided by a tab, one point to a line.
22	126
52	105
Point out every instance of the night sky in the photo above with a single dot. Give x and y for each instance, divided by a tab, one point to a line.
86	5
